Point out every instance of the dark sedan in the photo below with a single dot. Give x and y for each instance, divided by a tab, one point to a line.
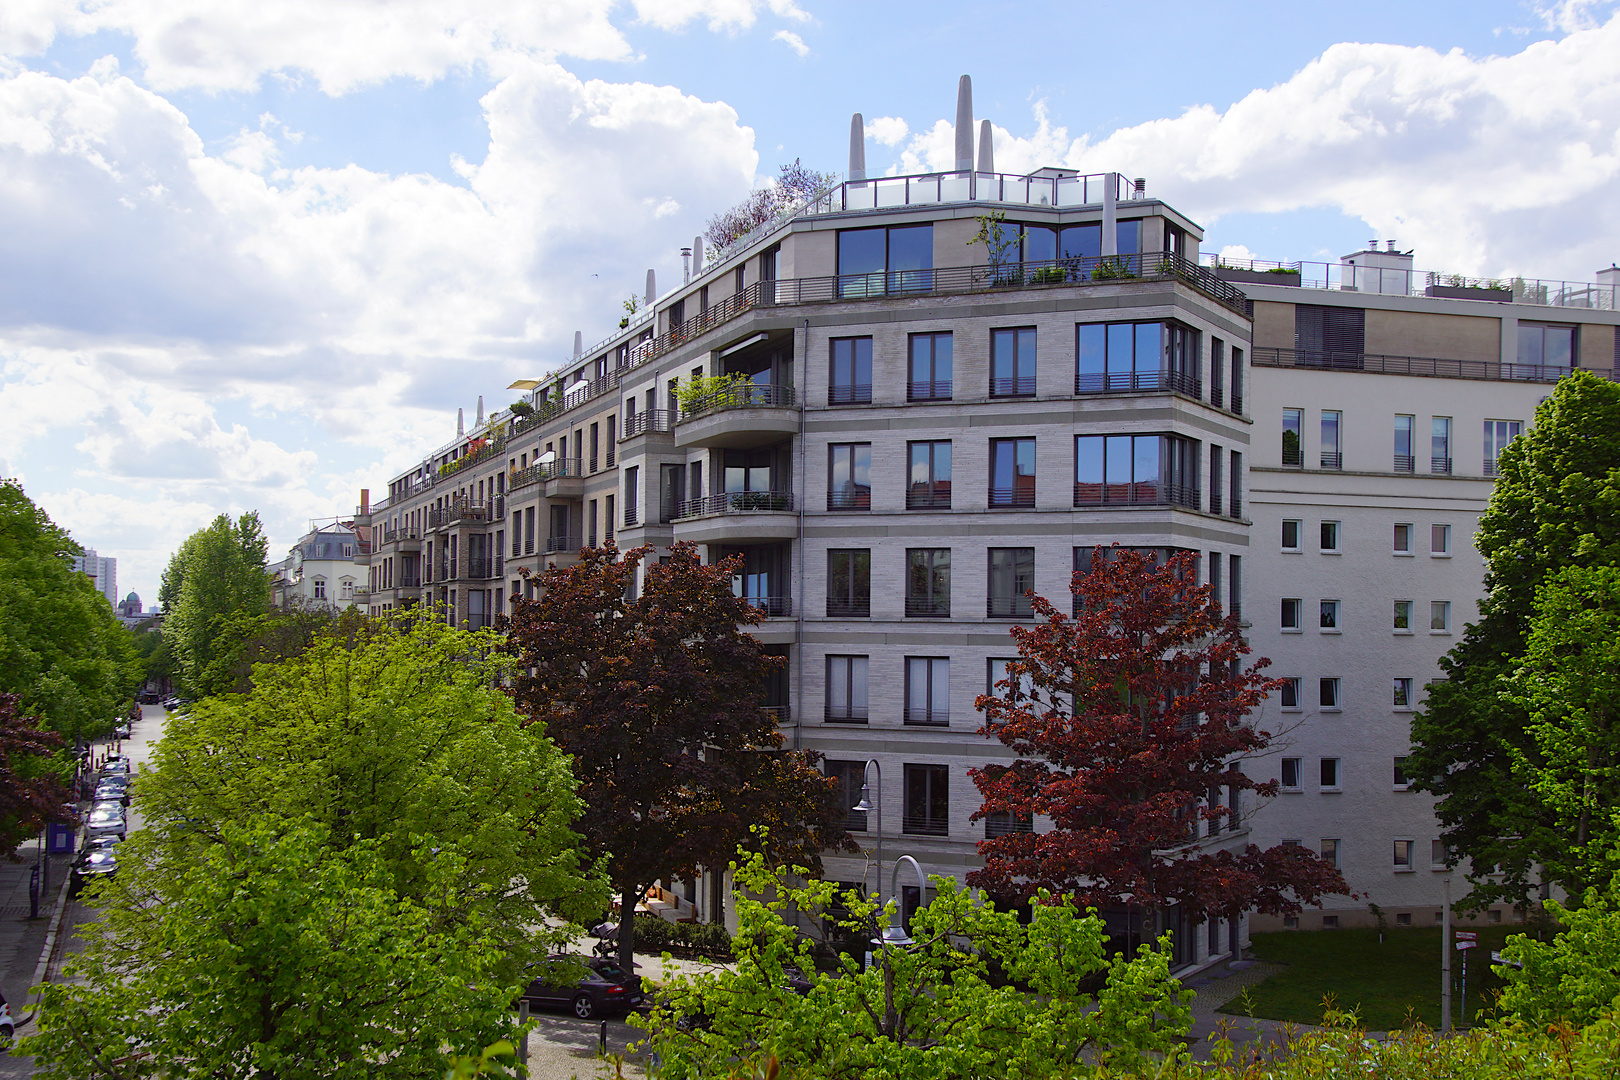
603	988
101	862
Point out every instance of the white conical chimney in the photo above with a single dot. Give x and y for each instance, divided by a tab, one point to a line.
460	428
987	153
857	147
964	124
579	344
479	422
652	288
697	255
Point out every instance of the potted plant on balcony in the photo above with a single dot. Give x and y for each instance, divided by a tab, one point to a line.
1458	287
1276	275
714	392
1001	250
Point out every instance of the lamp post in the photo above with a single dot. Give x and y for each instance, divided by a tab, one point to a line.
866	806
895	933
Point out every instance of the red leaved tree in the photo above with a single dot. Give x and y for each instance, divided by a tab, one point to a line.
31	793
1130	719
658	698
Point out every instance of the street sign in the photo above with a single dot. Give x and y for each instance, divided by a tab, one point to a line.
1467	935
1463	946
1496	958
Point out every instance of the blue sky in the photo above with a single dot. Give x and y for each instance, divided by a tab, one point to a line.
255	256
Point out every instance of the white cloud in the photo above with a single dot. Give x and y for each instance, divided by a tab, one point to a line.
792	41
888	130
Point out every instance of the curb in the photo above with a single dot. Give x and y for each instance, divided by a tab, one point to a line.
44	964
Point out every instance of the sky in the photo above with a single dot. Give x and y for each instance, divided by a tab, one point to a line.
254	256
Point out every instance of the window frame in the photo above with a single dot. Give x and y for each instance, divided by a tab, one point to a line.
1442	608
1395	538
1328	616
1338	538
930	776
1021	493
853	391
1299	535
1443	533
1323	781
1017	605
1019	383
934	388
855	495
1298	767
853	605
1402	693
1322	686
937	497
927	715
1294	683
1297	625
850	713
928	604
1395	615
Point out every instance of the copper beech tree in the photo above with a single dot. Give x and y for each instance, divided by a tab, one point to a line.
657	695
31	791
1129	719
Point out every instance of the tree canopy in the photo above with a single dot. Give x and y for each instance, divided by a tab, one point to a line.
215	591
1129	719
657	698
62	650
32	791
1556	504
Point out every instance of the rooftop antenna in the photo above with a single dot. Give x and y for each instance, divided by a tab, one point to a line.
987	149
964	125
857	147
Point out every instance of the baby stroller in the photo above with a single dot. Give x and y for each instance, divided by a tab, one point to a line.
606	934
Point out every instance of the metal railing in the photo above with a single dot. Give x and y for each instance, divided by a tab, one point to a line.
642	423
926	717
1434	367
1008	607
780	714
631	517
775	607
737	502
928	607
840	607
850	394
1331	460
927	189
1405	463
1542	292
563	543
935	496
846	715
925	825
850	499
1490	467
1006	825
1127	382
1147	493
1013	386
740	396
1440	465
1021	495
932	390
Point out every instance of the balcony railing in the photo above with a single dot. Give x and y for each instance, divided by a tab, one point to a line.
1430	366
1543	292
925	825
1020	495
841	607
778	714
850	499
1013	386
1405	463
1293	457
927	189
775	607
1489	467
1006	825
934	390
1008	607
1129	382
851	394
1440	465
555	544
632	518
653	420
741	396
845	715
1147	493
737	502
935	496
1332	460
927	607
925	717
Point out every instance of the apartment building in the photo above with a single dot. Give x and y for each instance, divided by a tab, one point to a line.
919	427
328	567
101	569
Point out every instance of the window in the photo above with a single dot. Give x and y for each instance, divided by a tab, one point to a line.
1400	781
1012	575
1288	693
930	484
851	777
849	583
851	371
1012	362
1293	450
1120	470
1402	697
632	493
927	800
1440	444
930	368
1328	693
1217	373
1330	537
872	262
1403	854
1439	854
849	476
1290	774
347	590
928	690
1290	535
1404	461
1330	852
1403	616
1545	349
1439	616
1234	487
846	689
1122	357
320	588
1332	451
1291	619
1330	336
1215	483
1498	433
928	583
997	674
1329	620
1329	922
1439	539
1330	774
1402	541
1012	472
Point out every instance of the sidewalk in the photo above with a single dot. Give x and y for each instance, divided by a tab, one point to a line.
22	939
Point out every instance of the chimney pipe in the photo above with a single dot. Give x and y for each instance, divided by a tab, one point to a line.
987	150
652	288
365	501
964	124
1389	245
480	421
697	256
857	147
460	430
579	344
686	265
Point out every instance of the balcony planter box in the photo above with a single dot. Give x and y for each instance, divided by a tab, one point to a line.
1470	292
1258	277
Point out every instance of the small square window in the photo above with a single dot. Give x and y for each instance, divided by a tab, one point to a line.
1403	616
1330	774
1403	918
1402	697
1290	535
1330	537
1290	922
1403	539
1291	613
1439	616
1400	774
1330	922
1330	852
1290	843
1403	854
1328	693
1290	774
1329	619
1288	693
1494	915
1439	539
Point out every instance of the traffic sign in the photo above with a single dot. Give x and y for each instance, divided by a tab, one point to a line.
1467	935
1463	946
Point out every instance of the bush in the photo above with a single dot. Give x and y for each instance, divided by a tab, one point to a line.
710	940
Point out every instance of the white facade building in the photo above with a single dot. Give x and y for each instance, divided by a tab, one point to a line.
321	569
103	571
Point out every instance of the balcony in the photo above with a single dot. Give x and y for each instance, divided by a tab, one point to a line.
928	607
935	496
778	714
1427	366
739	418
1147	493
738	516
654	425
1006	825
465	512
1139	382
556	544
847	607
850	499
563	478
932	390
772	607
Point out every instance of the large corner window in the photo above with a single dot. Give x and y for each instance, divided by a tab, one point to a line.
1124	357
1120	470
880	261
1545	349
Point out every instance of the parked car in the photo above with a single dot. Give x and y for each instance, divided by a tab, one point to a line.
117	764
123	730
8	1027
96	864
110	792
108	821
99	843
603	987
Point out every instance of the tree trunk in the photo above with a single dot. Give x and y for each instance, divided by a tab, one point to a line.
627	929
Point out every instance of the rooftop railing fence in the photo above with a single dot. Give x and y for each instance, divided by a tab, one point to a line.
1345	277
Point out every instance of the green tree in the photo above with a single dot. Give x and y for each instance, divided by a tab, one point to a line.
62	650
214	593
396	735
658	700
929	1006
1556	504
278	954
1573	979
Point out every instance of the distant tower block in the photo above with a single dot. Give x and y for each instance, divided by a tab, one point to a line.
857	148
987	152
964	124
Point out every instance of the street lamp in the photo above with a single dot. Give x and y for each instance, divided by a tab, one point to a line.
866	806
895	933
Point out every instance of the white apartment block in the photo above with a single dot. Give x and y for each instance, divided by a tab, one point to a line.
327	568
923	435
101	570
